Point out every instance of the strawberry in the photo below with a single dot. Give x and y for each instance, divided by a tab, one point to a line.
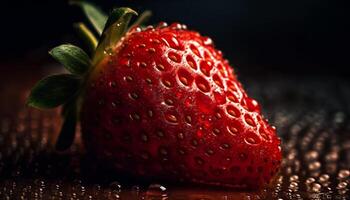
160	102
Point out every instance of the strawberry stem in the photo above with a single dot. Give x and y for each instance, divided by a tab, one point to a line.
115	28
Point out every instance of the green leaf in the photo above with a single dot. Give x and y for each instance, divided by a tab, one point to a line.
88	37
67	133
96	16
142	19
53	91
74	59
115	29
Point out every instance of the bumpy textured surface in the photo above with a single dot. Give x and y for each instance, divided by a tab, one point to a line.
312	116
166	104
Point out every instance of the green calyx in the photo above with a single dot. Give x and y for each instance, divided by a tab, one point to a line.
68	89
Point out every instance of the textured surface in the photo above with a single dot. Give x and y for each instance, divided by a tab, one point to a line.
311	116
166	104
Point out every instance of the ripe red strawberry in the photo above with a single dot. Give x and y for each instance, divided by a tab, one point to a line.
163	103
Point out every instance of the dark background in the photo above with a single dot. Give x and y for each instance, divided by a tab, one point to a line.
291	37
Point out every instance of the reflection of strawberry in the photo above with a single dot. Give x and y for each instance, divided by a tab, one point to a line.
163	103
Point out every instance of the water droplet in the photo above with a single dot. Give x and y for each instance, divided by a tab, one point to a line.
135	191
176	26
115	187
293	186
342	185
108	51
343	174
162	25
332	156
315	187
314	166
324	178
311	155
294	178
207	41
156	191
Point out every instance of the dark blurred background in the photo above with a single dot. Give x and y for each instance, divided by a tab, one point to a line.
292	37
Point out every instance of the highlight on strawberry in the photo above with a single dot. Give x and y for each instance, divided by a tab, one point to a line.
158	102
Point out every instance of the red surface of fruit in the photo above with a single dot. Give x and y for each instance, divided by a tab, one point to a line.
165	103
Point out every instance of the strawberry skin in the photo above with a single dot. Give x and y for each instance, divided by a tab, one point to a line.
164	103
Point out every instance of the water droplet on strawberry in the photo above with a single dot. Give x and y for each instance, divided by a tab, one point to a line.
176	26
108	51
207	41
162	24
